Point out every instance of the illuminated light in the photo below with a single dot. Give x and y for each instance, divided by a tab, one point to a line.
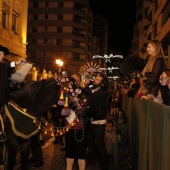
59	63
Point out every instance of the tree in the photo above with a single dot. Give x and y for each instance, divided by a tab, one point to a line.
132	64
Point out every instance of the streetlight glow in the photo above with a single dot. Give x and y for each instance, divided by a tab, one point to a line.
59	63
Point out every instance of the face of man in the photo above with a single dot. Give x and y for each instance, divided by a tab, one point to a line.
163	79
76	79
1	55
97	81
109	127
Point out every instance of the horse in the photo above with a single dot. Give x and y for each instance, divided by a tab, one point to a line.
36	98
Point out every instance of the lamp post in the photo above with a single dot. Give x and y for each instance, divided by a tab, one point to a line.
59	63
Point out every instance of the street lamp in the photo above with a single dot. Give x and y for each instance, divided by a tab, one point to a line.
59	63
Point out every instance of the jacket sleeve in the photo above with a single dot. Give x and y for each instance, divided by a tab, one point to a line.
131	93
153	77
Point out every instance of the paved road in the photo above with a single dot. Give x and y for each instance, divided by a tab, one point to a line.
54	158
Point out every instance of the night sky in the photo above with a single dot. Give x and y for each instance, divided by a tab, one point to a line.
121	17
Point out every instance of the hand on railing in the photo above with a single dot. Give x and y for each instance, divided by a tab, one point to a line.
139	95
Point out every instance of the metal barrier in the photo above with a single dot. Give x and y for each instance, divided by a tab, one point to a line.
149	133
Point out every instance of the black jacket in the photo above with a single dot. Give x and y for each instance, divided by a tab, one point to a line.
97	102
134	89
4	82
165	94
152	81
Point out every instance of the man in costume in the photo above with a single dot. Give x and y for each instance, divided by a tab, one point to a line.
97	98
5	73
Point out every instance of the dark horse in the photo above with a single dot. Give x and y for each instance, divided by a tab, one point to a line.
37	98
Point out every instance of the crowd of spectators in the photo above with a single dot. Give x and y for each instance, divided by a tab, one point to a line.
107	128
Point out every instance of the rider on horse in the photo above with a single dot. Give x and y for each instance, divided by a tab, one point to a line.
5	73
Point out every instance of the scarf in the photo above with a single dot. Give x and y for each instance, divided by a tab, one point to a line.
149	66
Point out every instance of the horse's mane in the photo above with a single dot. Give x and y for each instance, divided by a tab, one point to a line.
37	97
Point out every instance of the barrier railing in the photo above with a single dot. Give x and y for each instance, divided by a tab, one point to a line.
149	133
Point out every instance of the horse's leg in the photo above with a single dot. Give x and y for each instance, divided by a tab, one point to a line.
2	147
24	154
12	147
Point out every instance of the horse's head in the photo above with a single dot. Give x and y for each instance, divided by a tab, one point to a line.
37	97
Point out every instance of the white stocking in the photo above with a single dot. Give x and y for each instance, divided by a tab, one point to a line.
69	163
82	164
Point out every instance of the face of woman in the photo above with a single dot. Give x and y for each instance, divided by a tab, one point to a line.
133	81
163	79
120	114
1	55
151	49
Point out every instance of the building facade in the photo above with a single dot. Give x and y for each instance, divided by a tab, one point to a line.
152	22
62	30
59	30
13	27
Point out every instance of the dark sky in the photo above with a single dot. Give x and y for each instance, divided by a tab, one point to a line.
121	17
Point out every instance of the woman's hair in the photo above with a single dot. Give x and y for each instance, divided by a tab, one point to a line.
136	79
123	115
159	49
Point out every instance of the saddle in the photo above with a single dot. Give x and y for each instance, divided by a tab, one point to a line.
22	123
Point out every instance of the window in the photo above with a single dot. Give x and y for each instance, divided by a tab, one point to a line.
35	5
60	4
44	53
76	57
45	41
60	17
15	24
45	28
34	29
5	14
46	16
59	42
35	17
34	41
15	17
59	29
5	19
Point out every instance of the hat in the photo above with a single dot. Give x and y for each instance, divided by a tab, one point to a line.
4	49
